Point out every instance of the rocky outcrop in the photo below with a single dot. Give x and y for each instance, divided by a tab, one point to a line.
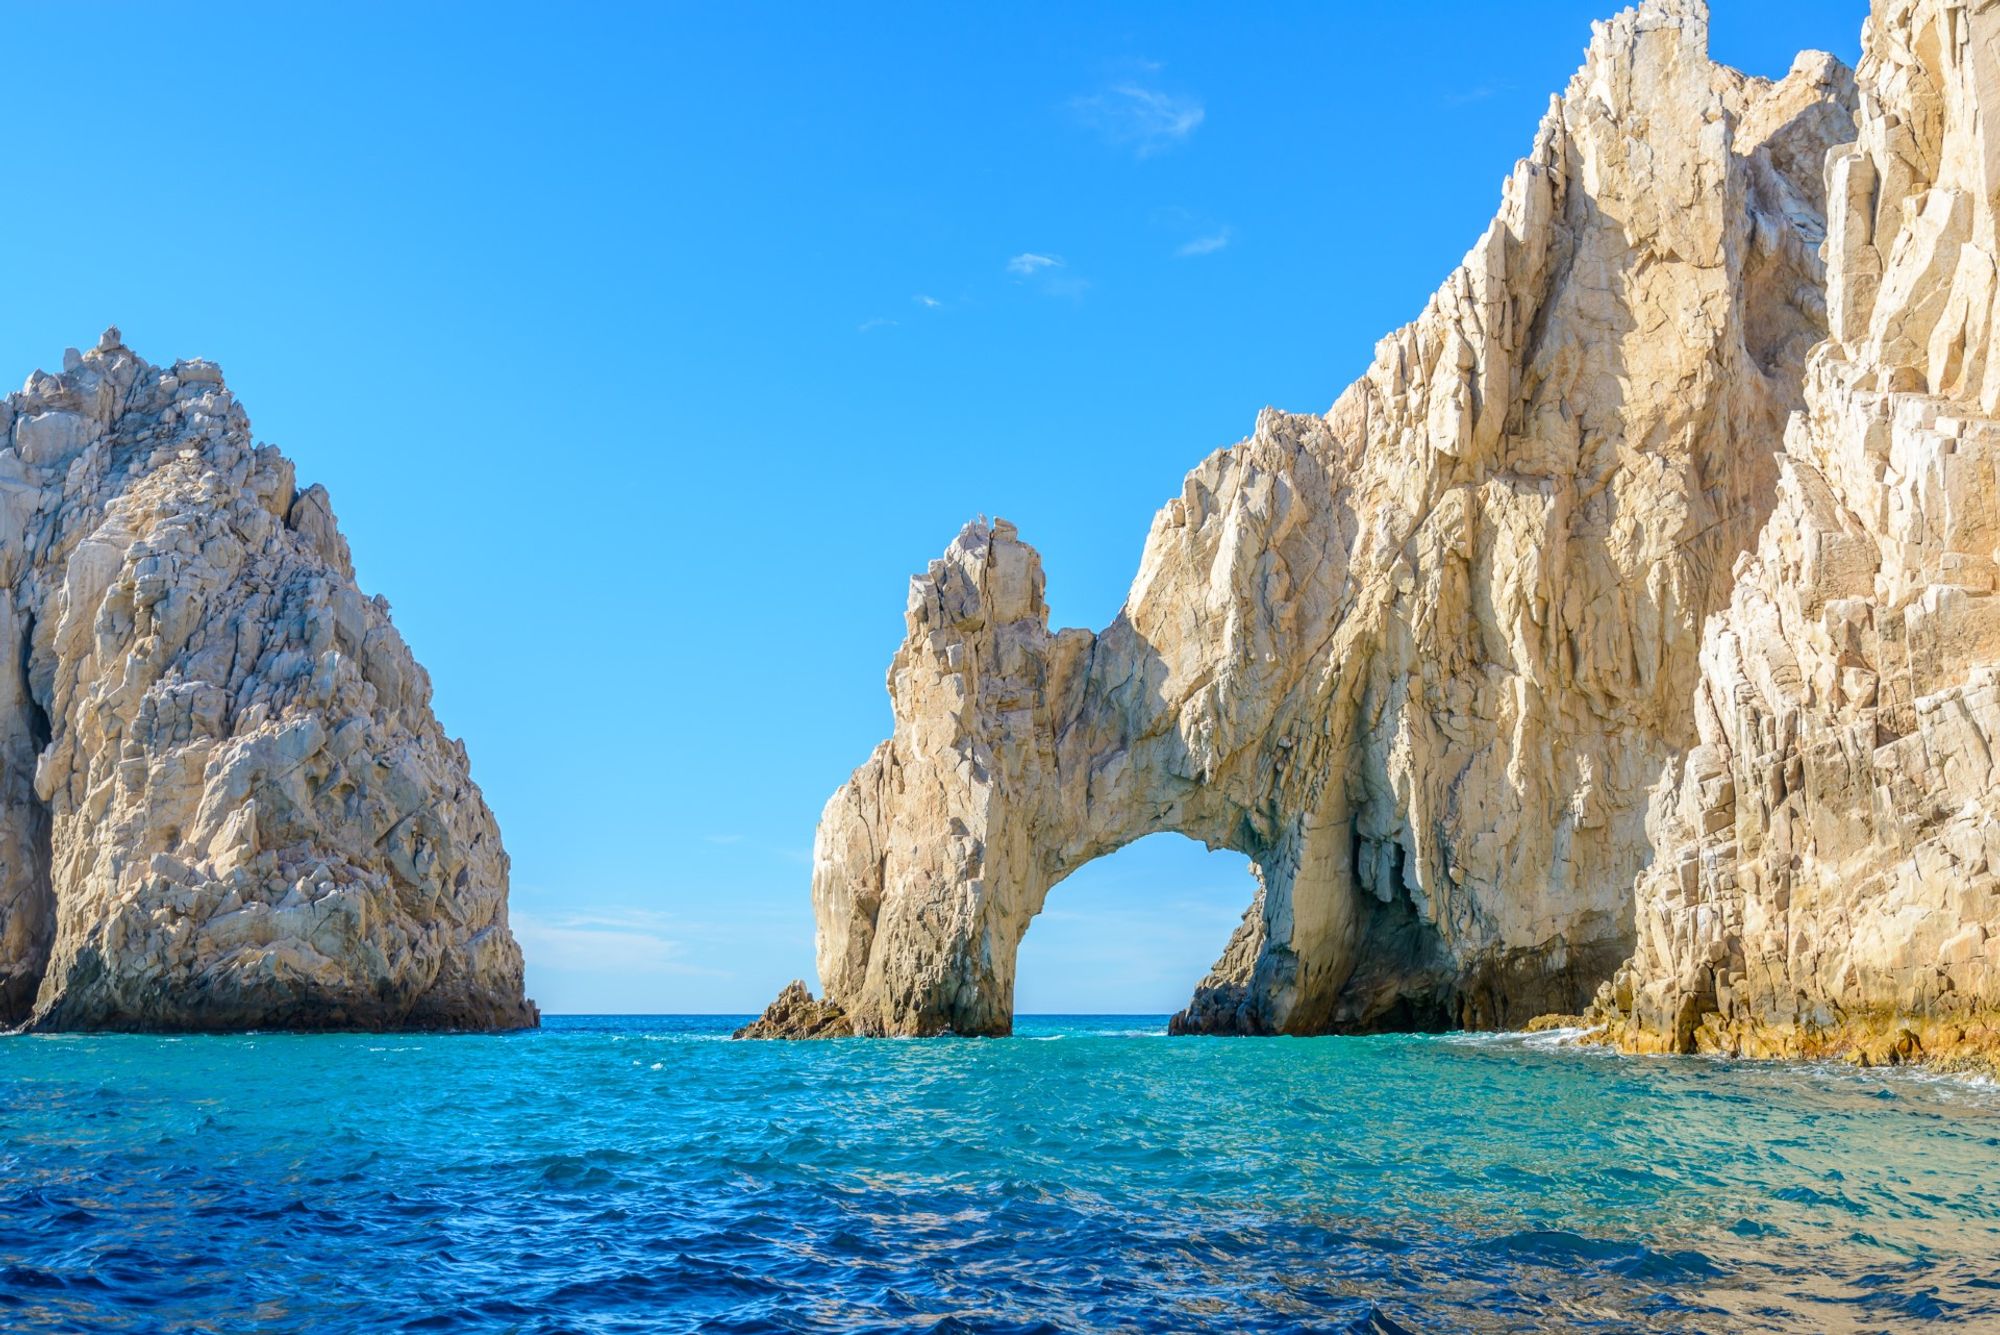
1422	658
795	1014
224	801
1827	875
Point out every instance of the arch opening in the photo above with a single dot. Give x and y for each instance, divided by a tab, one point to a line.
1132	933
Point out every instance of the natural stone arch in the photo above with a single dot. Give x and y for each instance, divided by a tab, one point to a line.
1421	658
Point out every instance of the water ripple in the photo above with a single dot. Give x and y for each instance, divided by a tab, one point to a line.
1114	1181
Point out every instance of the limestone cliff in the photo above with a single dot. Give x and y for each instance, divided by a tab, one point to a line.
1827	875
224	801
1422	658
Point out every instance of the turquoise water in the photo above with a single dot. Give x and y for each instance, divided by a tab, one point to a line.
638	1174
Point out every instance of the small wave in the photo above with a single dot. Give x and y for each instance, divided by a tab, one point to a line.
1484	1038
1569	1038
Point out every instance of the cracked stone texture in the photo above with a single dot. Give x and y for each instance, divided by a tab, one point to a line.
1827	878
224	800
1422	658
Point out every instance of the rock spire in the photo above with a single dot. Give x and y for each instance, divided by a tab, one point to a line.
224	800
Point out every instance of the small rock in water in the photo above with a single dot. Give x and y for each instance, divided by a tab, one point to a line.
796	1014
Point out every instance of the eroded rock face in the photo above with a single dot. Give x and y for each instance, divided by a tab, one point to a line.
1828	868
1422	658
224	801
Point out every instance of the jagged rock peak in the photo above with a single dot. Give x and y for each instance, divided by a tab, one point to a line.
1421	658
224	800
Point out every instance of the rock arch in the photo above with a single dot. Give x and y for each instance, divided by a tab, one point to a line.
1421	658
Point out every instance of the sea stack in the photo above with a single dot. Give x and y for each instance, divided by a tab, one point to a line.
224	800
1424	657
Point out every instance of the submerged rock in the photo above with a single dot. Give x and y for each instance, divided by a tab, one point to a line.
1422	658
224	800
1826	874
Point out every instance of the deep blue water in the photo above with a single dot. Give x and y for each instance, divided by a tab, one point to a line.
637	1174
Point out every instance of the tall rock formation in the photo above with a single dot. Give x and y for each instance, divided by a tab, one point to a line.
1422	658
1827	875
224	801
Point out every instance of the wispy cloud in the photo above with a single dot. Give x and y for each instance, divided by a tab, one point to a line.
1199	233
879	322
1204	245
1467	96
635	941
722	838
1048	274
1028	264
1145	120
929	303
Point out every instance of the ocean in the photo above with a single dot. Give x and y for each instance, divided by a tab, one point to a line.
642	1174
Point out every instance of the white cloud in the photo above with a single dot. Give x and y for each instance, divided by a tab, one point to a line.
879	322
1029	264
1146	120
1205	245
928	303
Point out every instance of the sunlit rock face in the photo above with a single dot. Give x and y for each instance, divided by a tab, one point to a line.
1422	658
224	801
1827	874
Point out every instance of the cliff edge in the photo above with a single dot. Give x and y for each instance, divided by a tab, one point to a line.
1826	875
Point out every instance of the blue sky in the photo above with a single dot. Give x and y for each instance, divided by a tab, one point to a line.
647	350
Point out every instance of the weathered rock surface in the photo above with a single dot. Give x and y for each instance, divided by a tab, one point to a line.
224	801
1422	658
1827	875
